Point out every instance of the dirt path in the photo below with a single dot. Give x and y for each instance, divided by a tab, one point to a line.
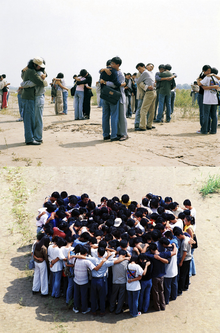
80	143
20	311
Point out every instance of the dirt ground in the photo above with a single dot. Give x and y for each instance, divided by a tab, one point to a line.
166	165
80	143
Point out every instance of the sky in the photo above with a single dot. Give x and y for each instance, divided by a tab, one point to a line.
75	34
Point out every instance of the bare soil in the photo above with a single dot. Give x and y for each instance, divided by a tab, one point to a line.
80	142
171	160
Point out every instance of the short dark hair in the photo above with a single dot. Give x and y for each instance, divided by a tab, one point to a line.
117	61
152	247
123	243
161	66
101	251
177	231
63	194
55	195
108	63
140	64
122	253
83	72
168	67
187	202
84	195
213	70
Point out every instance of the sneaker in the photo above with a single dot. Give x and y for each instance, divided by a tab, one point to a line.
76	311
198	132
88	310
20	119
139	313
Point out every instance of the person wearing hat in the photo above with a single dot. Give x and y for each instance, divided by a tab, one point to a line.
28	95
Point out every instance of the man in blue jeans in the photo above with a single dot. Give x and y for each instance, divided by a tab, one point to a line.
28	97
109	109
165	94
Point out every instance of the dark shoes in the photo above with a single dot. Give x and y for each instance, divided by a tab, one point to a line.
150	128
106	137
33	143
115	139
140	129
123	138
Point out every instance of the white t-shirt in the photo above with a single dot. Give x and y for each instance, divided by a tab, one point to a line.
136	271
171	268
53	253
210	96
179	223
43	219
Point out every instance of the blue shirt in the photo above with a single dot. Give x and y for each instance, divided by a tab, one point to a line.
103	270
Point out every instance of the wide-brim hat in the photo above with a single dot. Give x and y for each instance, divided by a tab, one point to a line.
39	61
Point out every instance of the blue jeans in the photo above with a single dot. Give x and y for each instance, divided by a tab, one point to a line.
29	119
65	95
98	292
110	110
39	107
69	291
78	104
192	267
56	281
201	109
170	288
128	104
137	113
210	113
133	297
168	106
144	298
20	105
81	296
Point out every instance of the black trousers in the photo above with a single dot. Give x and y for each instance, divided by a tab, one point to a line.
184	276
86	104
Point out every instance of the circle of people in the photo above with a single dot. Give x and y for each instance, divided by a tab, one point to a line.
119	96
117	252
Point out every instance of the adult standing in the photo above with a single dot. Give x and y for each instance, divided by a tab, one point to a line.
128	93
165	94
87	81
40	281
60	104
148	104
5	92
210	103
39	104
206	69
28	96
109	77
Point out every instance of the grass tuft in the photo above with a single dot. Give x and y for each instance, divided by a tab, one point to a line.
211	185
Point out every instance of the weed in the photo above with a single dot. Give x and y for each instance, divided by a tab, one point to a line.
211	185
24	159
21	301
19	197
39	163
